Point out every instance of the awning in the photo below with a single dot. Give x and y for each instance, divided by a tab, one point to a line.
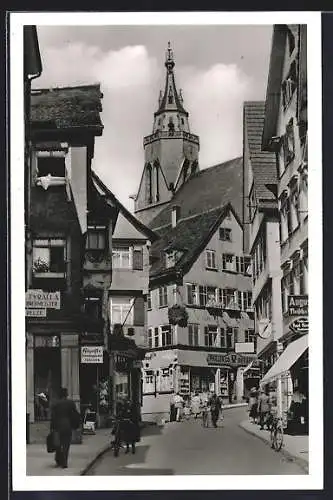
289	357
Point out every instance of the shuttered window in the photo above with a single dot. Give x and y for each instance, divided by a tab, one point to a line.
138	259
139	311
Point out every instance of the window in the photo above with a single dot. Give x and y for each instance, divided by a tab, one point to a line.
157	182
150	338
264	304
170	99
93	307
289	85
121	310
170	258
149	301
193	334
166	335
138	258
149	185
192	294
211	336
232	336
210	259
229	298
202	295
294	204
51	165
289	143
228	262
121	258
245	300
96	238
249	336
49	257
156	337
243	265
223	337
225	234
163	296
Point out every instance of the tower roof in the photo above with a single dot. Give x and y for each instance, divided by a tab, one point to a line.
171	100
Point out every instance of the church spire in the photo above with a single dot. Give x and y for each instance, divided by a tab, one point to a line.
171	100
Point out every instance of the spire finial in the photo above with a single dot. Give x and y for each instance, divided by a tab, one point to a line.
169	61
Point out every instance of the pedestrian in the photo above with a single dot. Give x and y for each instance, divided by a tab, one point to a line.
64	419
195	404
187	409
172	408
215	408
131	425
253	405
179	403
263	406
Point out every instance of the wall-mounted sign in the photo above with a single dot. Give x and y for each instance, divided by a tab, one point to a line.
38	299
35	313
300	325
92	354
298	305
230	359
244	347
122	362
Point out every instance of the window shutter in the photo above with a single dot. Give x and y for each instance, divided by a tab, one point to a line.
139	311
138	259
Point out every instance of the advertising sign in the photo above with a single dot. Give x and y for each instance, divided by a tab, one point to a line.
300	325
35	313
298	305
38	299
92	354
229	359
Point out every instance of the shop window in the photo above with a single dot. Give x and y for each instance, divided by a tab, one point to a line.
166	335
96	238
228	262
225	234
163	296
193	334
121	258
49	258
210	259
121	310
211	336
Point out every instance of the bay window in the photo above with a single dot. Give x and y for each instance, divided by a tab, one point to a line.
121	310
96	238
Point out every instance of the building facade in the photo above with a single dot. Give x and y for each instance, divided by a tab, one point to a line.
285	133
64	123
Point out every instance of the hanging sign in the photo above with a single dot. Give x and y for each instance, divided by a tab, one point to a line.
300	325
298	305
92	354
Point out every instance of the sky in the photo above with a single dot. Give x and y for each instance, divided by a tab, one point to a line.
217	67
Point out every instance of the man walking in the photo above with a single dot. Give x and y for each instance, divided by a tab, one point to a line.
179	403
263	407
64	418
215	408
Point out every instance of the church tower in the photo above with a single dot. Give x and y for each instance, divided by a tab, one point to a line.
171	151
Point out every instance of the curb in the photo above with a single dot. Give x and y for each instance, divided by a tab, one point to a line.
303	464
92	462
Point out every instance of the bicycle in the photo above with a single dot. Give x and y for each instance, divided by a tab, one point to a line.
276	433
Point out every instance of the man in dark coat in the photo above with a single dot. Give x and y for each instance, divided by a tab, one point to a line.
64	418
215	408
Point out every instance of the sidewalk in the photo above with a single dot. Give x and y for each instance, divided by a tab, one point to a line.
294	448
41	463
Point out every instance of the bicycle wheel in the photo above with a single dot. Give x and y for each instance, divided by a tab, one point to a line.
278	438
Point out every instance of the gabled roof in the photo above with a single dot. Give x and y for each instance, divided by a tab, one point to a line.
68	107
263	163
190	236
206	190
104	191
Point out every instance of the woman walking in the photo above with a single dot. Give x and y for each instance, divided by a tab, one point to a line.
253	405
195	404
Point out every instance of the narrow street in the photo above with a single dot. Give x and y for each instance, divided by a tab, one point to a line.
188	448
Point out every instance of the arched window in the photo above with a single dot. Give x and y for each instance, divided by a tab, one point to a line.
157	183
149	188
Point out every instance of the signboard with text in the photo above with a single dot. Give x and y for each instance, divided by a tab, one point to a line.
38	299
298	305
92	354
229	359
300	325
35	313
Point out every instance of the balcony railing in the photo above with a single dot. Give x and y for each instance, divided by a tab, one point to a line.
178	134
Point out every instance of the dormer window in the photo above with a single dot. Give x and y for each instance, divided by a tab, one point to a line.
51	169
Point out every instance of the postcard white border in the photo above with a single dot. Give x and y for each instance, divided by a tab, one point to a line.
22	482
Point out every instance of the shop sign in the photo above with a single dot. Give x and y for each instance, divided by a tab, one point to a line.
300	325
122	362
35	313
92	354
298	305
229	359
38	299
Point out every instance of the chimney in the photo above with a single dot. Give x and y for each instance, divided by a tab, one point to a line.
175	215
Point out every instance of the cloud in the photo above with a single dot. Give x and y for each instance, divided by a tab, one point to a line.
130	81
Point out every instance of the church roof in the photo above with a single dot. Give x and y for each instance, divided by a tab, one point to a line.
263	163
207	189
68	107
